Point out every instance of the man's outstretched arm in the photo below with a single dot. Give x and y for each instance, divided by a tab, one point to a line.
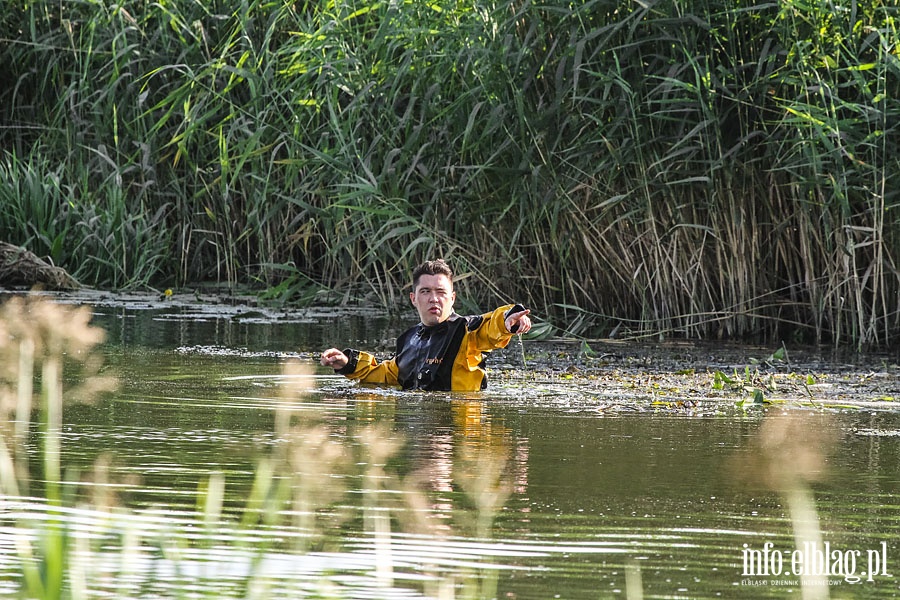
355	364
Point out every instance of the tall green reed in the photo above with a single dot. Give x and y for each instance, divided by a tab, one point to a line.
712	170
101	237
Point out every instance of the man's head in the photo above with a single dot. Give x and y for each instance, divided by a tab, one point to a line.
433	294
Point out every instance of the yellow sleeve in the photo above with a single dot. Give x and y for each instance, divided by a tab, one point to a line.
492	332
368	370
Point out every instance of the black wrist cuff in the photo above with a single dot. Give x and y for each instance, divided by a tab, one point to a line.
352	360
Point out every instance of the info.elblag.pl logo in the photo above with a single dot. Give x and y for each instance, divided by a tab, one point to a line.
814	560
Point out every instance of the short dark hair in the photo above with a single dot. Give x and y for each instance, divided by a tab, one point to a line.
431	267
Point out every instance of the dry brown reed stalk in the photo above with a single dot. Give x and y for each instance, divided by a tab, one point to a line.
36	336
302	472
789	452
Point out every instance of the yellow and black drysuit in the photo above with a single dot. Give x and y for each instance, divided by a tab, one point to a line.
447	356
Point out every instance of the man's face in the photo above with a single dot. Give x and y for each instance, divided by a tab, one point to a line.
433	298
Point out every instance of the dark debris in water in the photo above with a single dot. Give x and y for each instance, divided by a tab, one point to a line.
207	306
238	352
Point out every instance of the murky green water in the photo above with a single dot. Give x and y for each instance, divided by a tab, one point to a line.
590	504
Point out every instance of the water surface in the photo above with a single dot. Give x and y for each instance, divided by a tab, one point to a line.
518	492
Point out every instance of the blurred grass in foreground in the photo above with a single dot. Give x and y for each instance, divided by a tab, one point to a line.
72	537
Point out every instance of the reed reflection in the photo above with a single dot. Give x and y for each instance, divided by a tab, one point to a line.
788	454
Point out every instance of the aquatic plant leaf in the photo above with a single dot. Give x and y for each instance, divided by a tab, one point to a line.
758	397
720	380
540	331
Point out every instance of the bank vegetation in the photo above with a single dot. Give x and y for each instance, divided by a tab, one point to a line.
690	169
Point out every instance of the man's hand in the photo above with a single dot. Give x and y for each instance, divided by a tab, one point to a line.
334	358
519	319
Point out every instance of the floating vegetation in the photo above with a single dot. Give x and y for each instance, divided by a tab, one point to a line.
582	470
279	541
701	377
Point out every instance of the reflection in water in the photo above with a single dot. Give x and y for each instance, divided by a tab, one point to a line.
588	497
454	448
483	455
582	503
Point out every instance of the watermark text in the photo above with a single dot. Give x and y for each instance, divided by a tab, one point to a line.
814	560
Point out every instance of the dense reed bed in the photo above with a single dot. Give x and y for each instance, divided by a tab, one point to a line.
706	169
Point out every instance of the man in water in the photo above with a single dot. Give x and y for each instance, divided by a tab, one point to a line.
444	351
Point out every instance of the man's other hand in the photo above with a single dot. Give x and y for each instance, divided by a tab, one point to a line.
334	358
